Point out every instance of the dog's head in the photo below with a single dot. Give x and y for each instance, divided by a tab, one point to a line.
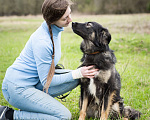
94	35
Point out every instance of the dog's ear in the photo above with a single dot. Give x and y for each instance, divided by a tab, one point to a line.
106	36
102	38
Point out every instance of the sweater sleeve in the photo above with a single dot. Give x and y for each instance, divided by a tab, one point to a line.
43	56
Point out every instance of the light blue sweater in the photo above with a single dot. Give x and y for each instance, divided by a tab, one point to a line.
35	59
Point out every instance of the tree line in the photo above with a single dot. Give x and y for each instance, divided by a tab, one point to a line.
20	7
33	7
113	6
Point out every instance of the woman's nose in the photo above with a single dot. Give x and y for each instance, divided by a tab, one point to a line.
69	19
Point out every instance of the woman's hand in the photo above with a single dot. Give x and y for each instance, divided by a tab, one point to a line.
88	71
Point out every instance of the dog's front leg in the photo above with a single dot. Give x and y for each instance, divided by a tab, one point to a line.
84	108
105	111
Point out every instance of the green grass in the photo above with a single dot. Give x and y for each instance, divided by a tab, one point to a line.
130	41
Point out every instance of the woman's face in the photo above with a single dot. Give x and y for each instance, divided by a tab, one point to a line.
65	19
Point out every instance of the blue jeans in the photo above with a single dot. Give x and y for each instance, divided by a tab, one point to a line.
34	104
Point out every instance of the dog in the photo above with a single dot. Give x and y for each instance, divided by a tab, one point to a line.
100	96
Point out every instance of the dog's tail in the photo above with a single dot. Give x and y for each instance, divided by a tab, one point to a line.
130	113
119	111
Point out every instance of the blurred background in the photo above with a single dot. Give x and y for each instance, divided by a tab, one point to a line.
128	22
33	7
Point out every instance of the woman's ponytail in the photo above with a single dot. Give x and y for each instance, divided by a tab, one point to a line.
52	67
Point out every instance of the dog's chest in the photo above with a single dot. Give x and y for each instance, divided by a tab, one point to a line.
92	90
92	87
102	77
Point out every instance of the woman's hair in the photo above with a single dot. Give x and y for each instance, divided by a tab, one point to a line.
52	11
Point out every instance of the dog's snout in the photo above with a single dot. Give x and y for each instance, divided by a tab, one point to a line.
74	24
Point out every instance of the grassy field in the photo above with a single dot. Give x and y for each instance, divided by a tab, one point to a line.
130	41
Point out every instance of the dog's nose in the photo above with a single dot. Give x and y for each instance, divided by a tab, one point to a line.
74	23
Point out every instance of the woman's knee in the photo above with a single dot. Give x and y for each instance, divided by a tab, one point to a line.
66	115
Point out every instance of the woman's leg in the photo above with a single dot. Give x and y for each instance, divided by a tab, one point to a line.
60	89
55	91
34	103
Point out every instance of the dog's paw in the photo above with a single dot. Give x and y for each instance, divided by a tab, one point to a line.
81	118
82	115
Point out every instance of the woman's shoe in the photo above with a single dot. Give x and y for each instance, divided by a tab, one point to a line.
3	110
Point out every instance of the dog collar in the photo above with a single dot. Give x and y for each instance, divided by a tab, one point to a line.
93	53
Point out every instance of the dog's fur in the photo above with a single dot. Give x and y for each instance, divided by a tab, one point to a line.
100	96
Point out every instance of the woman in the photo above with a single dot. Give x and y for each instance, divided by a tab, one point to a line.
25	78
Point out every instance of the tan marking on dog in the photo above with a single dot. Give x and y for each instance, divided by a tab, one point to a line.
105	34
116	107
125	119
104	75
83	109
127	111
92	87
107	54
93	36
105	114
87	46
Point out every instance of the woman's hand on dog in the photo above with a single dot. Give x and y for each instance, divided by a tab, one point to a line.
89	71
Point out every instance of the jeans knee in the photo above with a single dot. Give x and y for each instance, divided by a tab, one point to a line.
66	115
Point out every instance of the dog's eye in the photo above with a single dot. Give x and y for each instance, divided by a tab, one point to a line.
88	24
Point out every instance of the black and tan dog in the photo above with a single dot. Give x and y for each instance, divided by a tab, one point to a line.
100	96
